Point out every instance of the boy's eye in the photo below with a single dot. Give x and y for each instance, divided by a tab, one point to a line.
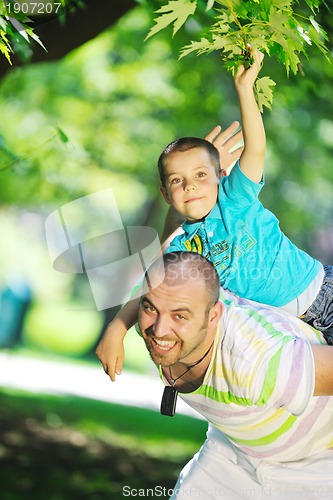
201	174
176	180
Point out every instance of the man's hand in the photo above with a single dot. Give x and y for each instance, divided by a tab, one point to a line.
225	141
110	350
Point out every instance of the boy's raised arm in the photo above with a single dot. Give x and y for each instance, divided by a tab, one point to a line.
253	156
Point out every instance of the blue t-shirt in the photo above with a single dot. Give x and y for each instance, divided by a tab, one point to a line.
243	240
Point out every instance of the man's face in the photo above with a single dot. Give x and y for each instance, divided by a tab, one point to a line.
175	323
191	183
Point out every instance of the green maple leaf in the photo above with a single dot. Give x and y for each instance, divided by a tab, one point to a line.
291	59
223	24
318	37
210	4
314	4
176	12
202	46
284	25
5	47
62	136
271	26
220	43
33	35
283	4
263	92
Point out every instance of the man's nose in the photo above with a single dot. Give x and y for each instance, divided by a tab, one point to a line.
161	327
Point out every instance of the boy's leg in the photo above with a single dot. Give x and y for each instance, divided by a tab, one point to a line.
320	313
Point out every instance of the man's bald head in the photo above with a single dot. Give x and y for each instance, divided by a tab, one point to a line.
184	267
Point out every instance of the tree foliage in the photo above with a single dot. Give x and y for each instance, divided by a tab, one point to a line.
280	28
17	20
14	29
100	117
119	102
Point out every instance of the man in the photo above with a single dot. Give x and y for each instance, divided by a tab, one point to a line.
261	377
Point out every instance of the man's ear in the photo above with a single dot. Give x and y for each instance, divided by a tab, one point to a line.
165	195
215	314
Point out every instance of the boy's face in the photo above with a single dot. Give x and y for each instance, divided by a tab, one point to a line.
191	183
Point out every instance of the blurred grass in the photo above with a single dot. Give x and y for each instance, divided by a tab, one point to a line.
66	447
114	424
67	329
69	447
63	327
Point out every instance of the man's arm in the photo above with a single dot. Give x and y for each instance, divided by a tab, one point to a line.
172	227
253	156
323	359
110	350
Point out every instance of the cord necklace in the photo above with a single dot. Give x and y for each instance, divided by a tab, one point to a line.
169	398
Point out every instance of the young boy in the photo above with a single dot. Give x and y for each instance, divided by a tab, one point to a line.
226	223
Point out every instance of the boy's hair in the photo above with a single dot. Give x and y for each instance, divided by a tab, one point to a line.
185	144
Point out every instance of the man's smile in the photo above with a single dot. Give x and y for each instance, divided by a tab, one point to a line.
163	345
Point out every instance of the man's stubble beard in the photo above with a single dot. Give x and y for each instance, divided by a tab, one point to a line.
158	359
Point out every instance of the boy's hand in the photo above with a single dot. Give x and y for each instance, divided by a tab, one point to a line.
224	141
110	350
245	77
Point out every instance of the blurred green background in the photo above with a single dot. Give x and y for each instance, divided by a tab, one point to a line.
97	118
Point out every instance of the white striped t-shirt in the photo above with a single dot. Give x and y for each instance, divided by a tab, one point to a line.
258	388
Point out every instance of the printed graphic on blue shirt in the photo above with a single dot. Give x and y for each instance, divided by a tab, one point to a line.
224	257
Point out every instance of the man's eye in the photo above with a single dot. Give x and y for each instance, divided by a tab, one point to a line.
180	317
149	308
201	174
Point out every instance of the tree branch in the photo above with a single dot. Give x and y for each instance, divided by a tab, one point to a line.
80	26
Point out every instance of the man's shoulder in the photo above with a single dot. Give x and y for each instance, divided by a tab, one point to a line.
264	321
259	346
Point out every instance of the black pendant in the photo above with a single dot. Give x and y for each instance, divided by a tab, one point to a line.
169	400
